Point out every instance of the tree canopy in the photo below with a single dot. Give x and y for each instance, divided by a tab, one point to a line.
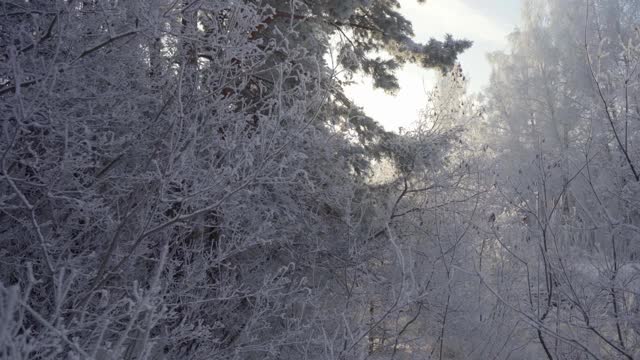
186	179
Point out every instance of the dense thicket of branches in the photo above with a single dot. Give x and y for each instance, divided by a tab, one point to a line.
185	179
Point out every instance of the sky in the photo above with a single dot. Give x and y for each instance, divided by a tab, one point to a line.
486	22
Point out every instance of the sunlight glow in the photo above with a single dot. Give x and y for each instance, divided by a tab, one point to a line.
462	19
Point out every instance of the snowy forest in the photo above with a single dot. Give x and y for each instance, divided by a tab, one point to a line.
186	179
